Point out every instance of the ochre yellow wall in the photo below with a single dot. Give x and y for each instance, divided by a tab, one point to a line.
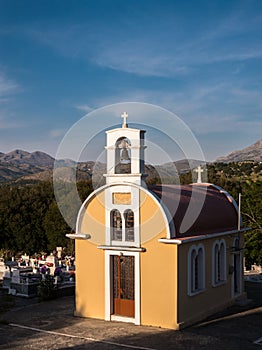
158	269
158	266
93	221
90	265
164	287
90	286
194	308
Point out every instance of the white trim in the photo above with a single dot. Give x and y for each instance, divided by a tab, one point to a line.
169	241
122	319
137	147
129	147
201	272
108	291
78	235
172	230
123	175
223	263
102	188
83	206
200	237
134	206
229	197
108	286
239	269
121	129
123	248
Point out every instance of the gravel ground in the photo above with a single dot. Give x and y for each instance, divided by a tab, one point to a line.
29	324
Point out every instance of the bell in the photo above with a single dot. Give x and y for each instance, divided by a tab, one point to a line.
124	158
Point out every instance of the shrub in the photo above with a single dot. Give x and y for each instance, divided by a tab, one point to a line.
47	289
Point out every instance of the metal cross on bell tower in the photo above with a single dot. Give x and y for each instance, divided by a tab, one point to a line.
124	116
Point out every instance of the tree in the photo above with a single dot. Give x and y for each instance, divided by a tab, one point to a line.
55	227
22	209
252	217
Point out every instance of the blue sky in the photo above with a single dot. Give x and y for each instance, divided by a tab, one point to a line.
202	60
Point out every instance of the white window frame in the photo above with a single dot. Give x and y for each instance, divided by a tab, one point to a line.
219	246
112	228
134	206
195	251
125	215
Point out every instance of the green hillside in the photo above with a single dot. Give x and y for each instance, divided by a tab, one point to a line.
30	220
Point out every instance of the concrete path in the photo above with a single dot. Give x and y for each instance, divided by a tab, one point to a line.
51	325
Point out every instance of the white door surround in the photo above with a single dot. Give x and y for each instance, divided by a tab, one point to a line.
109	287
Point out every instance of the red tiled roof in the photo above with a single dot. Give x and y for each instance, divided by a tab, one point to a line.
198	208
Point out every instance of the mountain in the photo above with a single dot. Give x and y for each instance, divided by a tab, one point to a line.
38	166
253	152
18	157
17	164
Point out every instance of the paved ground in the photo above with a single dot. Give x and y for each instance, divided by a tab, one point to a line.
51	325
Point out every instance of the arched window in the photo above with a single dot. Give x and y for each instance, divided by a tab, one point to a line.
219	262
116	225
196	269
129	225
123	156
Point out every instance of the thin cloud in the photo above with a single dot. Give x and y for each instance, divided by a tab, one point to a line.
201	107
9	122
144	49
172	55
57	133
85	108
7	86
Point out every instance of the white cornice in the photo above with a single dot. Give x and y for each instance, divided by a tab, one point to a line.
129	147
124	129
122	248
200	237
78	236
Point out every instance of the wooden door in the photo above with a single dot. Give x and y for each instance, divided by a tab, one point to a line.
124	285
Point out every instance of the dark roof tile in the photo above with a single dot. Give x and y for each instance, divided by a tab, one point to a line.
198	208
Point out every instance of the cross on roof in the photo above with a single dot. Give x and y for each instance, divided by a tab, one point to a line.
124	116
199	170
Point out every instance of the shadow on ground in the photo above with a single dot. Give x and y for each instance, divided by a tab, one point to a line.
235	328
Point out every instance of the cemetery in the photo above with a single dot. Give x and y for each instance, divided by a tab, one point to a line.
254	274
24	275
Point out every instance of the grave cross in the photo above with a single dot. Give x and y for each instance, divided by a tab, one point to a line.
198	170
124	116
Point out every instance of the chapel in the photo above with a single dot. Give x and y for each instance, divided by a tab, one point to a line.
160	255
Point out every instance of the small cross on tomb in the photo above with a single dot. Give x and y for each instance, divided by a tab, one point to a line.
199	170
124	116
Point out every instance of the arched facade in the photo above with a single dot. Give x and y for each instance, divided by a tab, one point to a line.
136	259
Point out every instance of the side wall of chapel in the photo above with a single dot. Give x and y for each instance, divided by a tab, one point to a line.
196	307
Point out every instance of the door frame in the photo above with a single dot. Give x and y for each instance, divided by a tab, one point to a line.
237	271
109	316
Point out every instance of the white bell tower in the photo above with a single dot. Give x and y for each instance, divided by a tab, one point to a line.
125	154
